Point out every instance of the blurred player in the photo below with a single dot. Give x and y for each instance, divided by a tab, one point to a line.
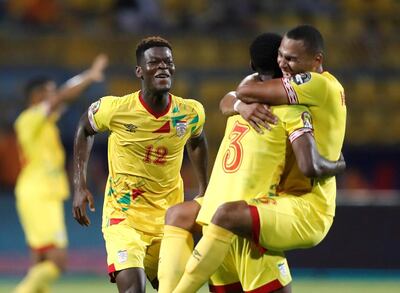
42	184
286	221
148	131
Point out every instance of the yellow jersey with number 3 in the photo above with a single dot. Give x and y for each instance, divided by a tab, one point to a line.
325	98
145	153
250	164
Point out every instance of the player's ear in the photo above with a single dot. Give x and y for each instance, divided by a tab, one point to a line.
139	72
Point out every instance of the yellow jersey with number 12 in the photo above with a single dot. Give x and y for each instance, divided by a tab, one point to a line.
145	153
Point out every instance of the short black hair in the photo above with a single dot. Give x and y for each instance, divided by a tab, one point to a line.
311	37
264	53
150	42
34	84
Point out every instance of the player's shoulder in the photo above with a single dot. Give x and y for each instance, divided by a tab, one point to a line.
116	101
187	102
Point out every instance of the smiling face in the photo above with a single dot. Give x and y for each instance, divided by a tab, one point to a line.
156	69
294	57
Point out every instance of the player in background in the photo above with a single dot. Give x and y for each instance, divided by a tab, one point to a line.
287	221
148	132
42	184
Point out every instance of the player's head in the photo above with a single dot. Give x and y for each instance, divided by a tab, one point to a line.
39	89
155	65
301	50
264	54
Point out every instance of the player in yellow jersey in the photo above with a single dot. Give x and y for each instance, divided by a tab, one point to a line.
42	184
148	131
286	221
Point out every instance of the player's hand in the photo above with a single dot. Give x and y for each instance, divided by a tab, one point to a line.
82	198
258	116
99	64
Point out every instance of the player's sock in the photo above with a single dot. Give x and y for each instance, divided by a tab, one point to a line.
38	277
176	248
207	256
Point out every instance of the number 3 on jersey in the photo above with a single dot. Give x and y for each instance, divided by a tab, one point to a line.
234	154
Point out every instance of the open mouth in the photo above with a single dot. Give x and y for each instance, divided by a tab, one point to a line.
162	75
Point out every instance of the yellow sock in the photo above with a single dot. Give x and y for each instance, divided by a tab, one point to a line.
207	256
176	248
38	277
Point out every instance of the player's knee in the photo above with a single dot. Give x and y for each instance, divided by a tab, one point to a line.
228	215
182	215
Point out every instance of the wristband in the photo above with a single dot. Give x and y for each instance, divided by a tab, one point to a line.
236	105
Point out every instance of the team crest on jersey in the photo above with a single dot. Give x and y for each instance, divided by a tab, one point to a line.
307	120
181	127
94	107
122	256
301	78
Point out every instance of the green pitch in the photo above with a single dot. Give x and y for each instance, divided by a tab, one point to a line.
300	285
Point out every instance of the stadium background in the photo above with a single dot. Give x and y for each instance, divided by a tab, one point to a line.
210	43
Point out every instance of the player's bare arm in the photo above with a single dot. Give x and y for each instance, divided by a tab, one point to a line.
73	87
256	114
83	143
197	149
269	92
311	163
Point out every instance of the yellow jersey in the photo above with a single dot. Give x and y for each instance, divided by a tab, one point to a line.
42	155
145	153
325	98
250	164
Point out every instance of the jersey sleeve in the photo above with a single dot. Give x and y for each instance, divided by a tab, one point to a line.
298	121
100	113
30	122
306	89
197	123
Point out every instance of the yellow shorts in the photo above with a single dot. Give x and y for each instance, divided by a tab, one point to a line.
128	247
247	268
287	222
43	222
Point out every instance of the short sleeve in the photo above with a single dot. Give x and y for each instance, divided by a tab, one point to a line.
298	121
197	123
308	89
100	113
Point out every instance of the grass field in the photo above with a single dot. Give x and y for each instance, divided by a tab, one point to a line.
300	285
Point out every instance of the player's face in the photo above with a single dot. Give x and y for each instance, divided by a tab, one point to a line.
294	58
156	69
45	93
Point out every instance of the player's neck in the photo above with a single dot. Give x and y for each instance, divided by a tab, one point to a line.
156	101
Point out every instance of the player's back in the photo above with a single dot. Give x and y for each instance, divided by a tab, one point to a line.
249	164
42	155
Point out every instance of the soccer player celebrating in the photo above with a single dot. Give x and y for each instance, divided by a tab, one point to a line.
278	218
148	131
42	184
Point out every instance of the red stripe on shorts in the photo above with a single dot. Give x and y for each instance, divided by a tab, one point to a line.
235	287
269	287
256	223
44	248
